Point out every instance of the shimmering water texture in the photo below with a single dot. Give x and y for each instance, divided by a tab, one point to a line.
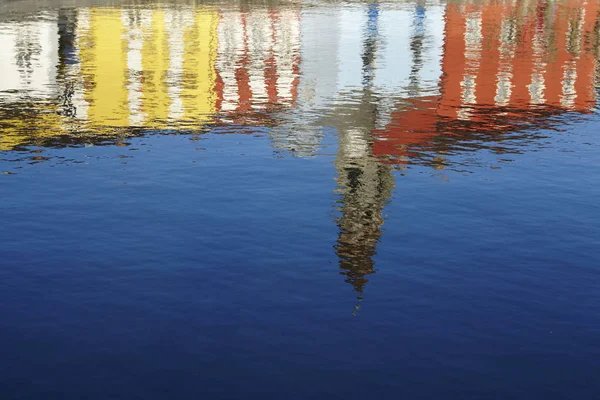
308	199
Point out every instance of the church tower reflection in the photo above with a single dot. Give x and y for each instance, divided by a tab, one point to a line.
364	183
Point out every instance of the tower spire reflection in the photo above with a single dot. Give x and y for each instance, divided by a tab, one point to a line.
364	184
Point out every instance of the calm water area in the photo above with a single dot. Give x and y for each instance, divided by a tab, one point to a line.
300	199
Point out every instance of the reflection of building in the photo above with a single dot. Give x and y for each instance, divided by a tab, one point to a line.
146	67
364	187
185	65
28	58
500	55
28	73
503	66
106	69
300	133
371	80
364	184
258	60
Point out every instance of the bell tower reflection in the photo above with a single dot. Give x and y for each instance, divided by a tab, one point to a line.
364	184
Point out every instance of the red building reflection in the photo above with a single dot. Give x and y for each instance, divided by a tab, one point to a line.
503	66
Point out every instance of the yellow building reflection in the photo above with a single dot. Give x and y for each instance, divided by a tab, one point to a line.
116	71
128	68
148	67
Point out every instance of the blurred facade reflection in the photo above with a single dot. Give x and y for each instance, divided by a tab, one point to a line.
107	69
500	65
505	67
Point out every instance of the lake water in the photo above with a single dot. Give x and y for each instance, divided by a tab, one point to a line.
300	200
